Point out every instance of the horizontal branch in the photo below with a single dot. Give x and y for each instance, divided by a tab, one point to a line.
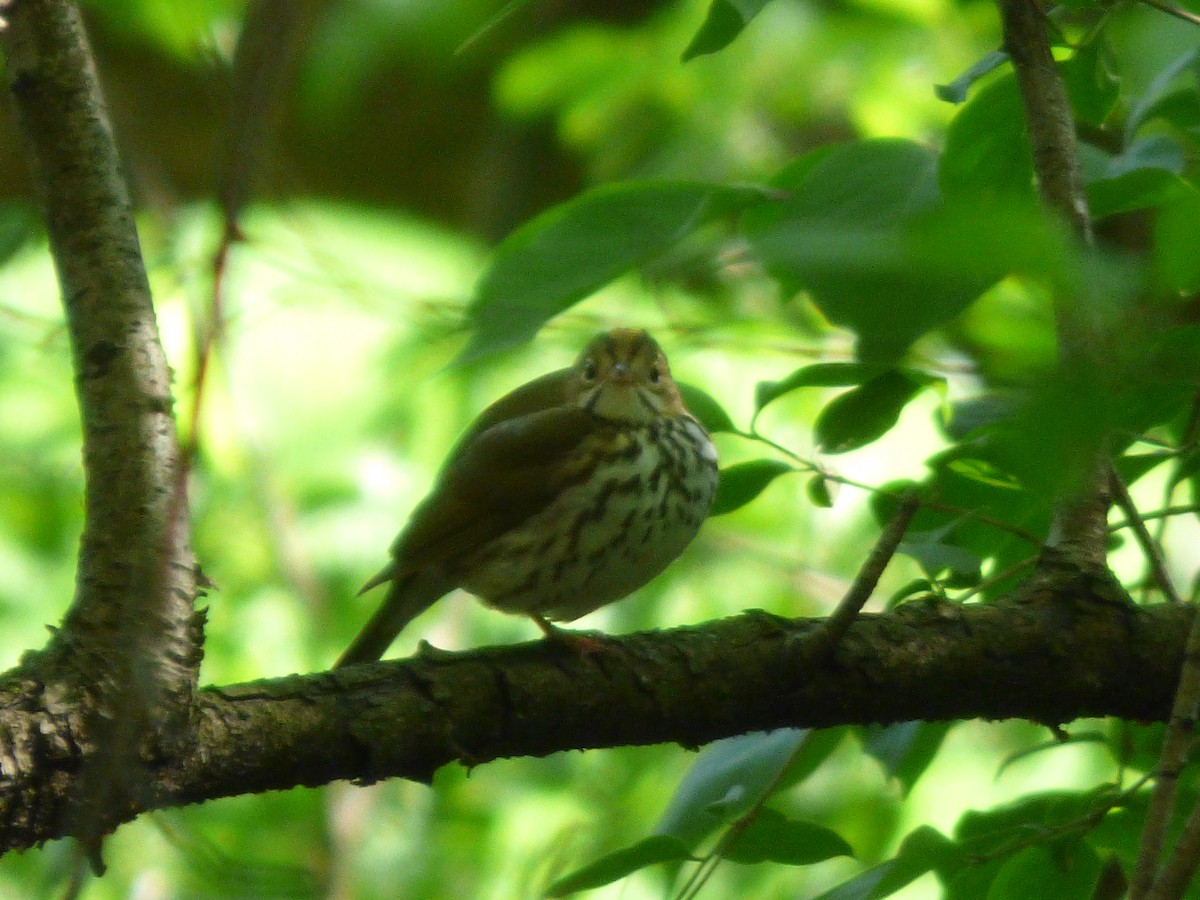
1062	652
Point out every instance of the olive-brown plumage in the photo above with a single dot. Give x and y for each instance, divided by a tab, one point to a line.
565	495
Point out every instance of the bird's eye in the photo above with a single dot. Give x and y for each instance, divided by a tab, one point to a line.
655	374
589	370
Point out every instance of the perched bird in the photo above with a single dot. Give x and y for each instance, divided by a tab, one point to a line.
565	495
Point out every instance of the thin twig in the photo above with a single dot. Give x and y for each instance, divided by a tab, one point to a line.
926	502
1171	761
868	576
1164	513
1154	560
1175	11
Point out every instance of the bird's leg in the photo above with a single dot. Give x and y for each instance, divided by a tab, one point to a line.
577	642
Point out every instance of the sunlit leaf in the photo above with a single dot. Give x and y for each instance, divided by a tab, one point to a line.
724	22
742	482
658	848
575	248
773	837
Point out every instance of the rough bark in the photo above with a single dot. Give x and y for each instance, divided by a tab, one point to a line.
1065	649
118	676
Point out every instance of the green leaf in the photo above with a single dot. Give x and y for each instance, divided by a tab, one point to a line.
569	251
987	153
916	586
707	410
725	21
923	850
1083	737
1068	870
1134	189
867	412
729	777
818	375
742	482
936	553
658	848
864	233
19	224
1091	83
819	493
864	183
1177	243
956	91
773	837
991	832
1148	105
905	749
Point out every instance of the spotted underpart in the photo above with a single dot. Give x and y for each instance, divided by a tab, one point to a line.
631	499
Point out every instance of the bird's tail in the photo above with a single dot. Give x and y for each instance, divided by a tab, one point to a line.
408	596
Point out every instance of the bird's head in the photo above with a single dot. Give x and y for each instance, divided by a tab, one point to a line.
623	376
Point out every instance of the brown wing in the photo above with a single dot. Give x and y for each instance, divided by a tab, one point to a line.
499	475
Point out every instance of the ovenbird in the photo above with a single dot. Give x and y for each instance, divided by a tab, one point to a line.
565	495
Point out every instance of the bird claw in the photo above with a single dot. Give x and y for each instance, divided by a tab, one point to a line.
581	643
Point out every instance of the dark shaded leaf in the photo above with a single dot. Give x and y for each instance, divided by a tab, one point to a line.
742	482
923	850
724	22
773	837
1148	106
569	251
1177	243
987	153
905	749
867	412
658	848
729	776
818	492
1091	83
1068	870
817	375
705	408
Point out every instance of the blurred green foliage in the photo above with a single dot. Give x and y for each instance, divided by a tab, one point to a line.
793	196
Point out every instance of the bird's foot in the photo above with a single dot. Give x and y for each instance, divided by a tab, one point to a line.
582	643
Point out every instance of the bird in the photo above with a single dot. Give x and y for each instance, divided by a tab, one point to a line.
565	495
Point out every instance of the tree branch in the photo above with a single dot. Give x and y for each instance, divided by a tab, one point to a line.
125	661
1080	519
1061	651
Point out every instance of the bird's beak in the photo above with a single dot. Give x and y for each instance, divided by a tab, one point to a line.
621	374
